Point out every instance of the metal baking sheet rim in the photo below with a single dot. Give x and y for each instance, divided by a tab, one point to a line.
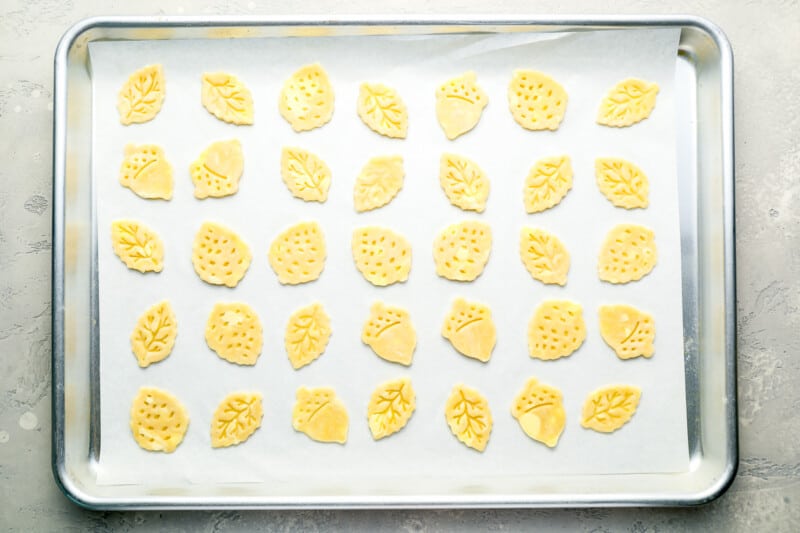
725	466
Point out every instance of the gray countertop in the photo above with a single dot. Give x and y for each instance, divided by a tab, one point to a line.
766	493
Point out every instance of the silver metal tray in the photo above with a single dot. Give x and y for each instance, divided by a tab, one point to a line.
704	104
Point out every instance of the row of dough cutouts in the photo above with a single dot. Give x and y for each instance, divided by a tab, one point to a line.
383	256
306	101
159	421
555	330
216	173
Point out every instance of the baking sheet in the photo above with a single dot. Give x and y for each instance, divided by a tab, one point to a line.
587	64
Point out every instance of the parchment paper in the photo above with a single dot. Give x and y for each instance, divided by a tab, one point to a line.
587	64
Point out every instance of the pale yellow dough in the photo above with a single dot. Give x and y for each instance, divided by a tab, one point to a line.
234	332
468	415
297	254
628	102
219	255
390	407
138	246
382	110
629	331
227	98
548	182
462	250
628	254
154	335
321	415
217	170
379	182
141	96
536	100
390	333
622	182
539	409
381	255
305	174
470	329
146	171
609	408
544	256
464	183
306	100
459	104
307	334
237	417
556	329
158	420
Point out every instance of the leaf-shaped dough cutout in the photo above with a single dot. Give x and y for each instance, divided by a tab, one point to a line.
470	329
381	255
629	331
390	407
464	182
536	101
556	329
237	417
306	175
609	408
320	414
138	246
154	335
468	415
459	104
390	334
382	110
307	334
548	182
297	254
227	98
146	171
379	182
462	250
234	332
539	409
141	96
628	102
158	420
622	182
217	170
544	256
219	255
628	254
306	100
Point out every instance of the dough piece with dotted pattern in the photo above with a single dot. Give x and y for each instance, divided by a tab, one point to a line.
539	409
536	100
390	333
306	100
470	329
219	255
146	171
382	255
462	250
628	254
217	170
459	104
320	414
158	420
297	254
234	332
629	331
556	329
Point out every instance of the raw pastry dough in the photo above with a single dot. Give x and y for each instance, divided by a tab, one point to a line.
609	408
321	415
382	110
158	420
306	100
217	171
227	98
219	255
536	100
390	334
556	329
307	334
379	182
390	407
539	409
629	331
237	417
381	255
622	182
464	182
468	415
146	171
470	329
139	247
544	256
306	175
459	104
628	102
141	95
628	254
548	182
154	335
297	255
461	250
234	331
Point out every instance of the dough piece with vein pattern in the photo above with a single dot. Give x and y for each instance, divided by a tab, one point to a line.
382	110
138	246
141	96
227	98
154	335
379	182
307	334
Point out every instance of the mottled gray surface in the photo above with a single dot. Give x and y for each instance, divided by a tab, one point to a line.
766	494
